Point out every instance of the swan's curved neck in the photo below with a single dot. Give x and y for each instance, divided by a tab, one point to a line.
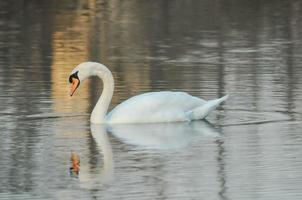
98	115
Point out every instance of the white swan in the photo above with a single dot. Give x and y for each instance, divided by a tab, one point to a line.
152	107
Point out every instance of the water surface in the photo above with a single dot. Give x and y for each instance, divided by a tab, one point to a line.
248	149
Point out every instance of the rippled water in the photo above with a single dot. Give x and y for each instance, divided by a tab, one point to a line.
251	148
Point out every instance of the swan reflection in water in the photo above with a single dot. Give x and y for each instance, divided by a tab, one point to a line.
147	136
162	135
100	136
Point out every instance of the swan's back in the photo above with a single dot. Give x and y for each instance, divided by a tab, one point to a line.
155	107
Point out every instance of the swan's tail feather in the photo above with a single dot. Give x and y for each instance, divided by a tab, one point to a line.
203	111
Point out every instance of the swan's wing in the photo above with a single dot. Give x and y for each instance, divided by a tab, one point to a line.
155	107
203	111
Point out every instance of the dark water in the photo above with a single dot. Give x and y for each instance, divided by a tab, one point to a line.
251	148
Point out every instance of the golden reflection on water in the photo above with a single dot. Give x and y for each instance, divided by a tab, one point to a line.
70	41
83	34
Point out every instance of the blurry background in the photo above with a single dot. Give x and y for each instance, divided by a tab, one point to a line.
248	49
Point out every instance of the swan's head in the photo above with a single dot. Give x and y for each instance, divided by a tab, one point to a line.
83	71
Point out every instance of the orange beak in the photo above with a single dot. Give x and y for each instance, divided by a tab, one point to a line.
74	85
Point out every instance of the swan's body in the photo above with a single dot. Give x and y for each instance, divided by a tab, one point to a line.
155	107
152	107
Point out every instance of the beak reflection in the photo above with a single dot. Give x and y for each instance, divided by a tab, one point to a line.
75	165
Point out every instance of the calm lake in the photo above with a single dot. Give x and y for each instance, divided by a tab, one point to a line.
250	148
